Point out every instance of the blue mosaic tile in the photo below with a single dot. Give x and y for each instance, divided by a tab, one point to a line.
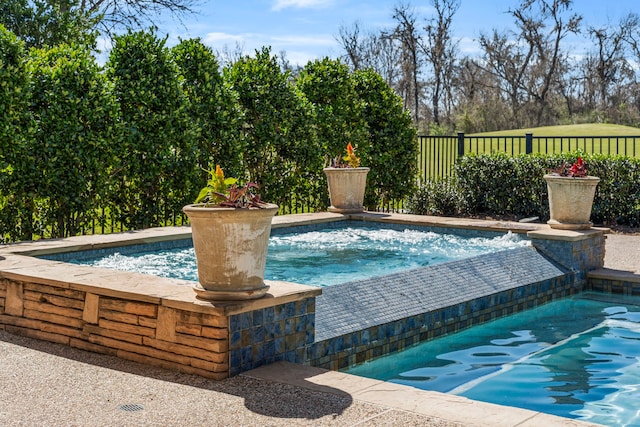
269	315
258	334
235	357
235	338
279	345
290	310
258	317
246	355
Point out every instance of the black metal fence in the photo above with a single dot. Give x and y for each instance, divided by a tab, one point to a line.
437	154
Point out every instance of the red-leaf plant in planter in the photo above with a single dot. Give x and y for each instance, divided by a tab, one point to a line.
571	192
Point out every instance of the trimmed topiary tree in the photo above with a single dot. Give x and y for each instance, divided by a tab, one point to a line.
155	171
76	116
16	187
281	152
392	152
213	106
329	86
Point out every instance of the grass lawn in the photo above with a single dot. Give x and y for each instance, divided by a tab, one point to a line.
587	129
439	153
607	139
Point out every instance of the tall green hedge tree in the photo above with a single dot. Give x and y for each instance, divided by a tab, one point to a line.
76	125
155	170
281	151
392	148
329	86
15	130
213	107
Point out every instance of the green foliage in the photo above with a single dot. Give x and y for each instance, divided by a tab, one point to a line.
213	107
41	23
434	197
15	128
75	112
281	153
392	148
155	169
500	185
330	87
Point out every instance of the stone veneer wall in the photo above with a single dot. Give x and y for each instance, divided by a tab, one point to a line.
144	332
162	324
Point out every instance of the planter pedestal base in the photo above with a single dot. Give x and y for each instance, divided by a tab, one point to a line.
567	226
208	295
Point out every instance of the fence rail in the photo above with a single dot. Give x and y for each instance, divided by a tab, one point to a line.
438	154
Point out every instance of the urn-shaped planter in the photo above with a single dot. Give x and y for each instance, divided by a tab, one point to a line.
346	189
570	201
231	249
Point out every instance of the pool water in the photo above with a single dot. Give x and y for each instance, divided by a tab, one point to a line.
328	256
576	358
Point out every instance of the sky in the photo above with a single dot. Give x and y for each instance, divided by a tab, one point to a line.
308	29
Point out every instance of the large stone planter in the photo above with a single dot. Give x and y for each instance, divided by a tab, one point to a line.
346	189
570	201
231	249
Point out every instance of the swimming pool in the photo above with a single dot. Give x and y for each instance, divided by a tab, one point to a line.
577	358
326	256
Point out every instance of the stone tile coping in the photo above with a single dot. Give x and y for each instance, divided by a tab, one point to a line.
447	407
167	292
616	275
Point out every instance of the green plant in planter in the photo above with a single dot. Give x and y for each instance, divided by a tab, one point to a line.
349	160
224	192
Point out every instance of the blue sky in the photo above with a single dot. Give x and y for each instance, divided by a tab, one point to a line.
307	29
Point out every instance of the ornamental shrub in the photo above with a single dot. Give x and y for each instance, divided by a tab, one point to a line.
498	185
329	85
392	144
213	107
15	130
76	127
281	152
155	170
434	197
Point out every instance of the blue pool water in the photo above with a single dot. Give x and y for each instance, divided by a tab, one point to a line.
328	256
577	358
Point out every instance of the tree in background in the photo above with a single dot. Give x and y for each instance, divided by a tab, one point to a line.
50	22
42	23
155	169
440	51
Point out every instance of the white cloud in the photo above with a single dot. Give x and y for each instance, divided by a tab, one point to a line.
300	4
319	40
217	37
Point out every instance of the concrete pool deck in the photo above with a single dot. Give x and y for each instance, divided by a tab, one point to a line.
43	383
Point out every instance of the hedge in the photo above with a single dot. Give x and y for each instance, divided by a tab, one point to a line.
84	147
498	185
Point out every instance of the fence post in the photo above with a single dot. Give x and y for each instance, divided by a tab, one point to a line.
460	144
528	143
